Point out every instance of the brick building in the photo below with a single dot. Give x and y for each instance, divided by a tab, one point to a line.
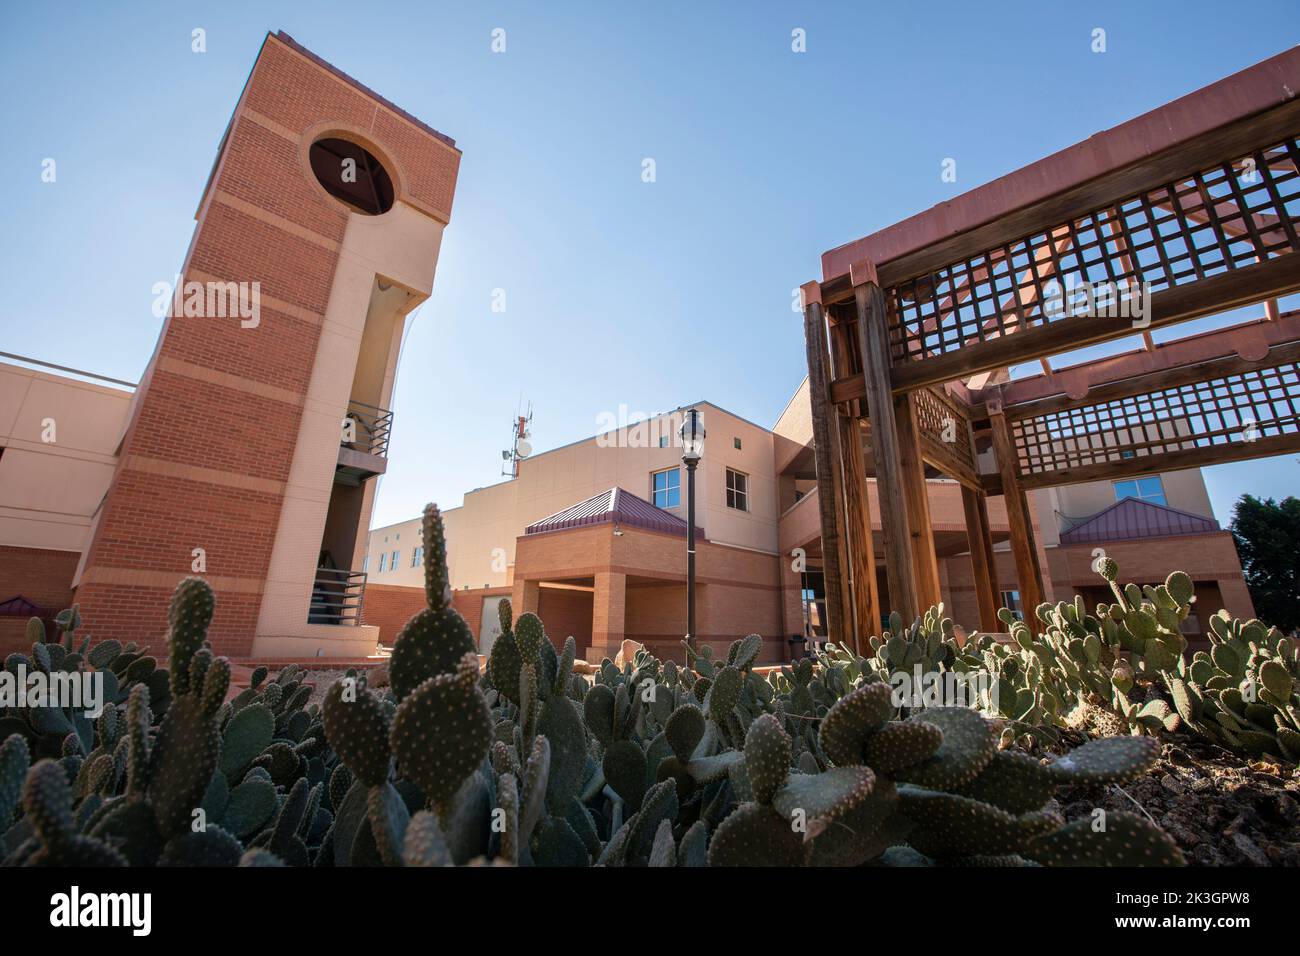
591	536
249	449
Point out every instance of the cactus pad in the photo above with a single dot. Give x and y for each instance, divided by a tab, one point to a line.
968	745
442	732
357	729
756	835
901	744
1127	840
1106	760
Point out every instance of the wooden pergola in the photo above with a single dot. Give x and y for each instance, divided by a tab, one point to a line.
912	330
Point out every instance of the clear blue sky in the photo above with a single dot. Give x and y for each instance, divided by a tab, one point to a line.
618	291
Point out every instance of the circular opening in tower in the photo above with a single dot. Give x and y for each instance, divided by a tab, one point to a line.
353	175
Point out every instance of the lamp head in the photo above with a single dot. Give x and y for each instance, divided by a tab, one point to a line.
692	435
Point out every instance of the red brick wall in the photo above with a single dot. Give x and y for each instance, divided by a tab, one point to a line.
470	605
43	577
389	607
213	434
566	612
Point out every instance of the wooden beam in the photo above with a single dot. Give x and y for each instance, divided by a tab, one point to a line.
861	565
874	347
826	452
1252	337
861	546
1225	144
980	542
1029	576
1166	461
990	556
1148	382
1192	300
916	496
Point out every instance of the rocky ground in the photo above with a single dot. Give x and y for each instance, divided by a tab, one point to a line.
1223	810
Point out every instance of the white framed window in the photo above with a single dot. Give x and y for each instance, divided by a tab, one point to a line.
365	564
737	490
1011	601
1150	488
392	561
417	555
382	556
666	488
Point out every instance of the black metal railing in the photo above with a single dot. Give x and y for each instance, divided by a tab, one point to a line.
337	597
366	428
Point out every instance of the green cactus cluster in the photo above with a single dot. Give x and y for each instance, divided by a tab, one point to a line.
1125	669
641	762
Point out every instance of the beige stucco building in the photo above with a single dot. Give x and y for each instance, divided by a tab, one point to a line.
562	539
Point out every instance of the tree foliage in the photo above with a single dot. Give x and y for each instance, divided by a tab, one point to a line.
1268	541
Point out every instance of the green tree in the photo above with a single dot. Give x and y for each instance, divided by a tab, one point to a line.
1268	541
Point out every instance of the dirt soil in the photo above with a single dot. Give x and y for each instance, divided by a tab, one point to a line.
1223	810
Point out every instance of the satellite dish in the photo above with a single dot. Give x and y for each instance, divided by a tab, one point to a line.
523	449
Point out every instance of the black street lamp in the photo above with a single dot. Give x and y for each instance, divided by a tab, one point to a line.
692	435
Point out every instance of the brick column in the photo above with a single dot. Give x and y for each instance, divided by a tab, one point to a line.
608	615
1236	600
525	596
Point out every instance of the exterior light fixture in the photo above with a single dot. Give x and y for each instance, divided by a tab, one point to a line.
692	435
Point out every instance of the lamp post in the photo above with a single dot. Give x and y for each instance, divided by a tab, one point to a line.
692	435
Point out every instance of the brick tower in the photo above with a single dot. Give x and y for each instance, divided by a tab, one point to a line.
260	426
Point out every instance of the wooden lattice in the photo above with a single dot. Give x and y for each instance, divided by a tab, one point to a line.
945	433
1239	408
1218	219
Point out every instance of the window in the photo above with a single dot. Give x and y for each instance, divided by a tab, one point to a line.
392	561
1011	601
382	556
736	442
667	488
737	490
663	441
352	174
1150	489
417	555
365	564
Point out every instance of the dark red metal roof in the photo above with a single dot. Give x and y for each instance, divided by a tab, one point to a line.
1132	518
616	506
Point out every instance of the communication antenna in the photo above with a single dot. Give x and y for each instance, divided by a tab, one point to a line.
520	447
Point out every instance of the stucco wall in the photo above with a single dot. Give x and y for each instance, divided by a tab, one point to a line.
49	490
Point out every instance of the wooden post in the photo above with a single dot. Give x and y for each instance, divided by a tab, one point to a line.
994	586
862	552
1029	576
826	450
981	558
911	475
874	344
857	506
